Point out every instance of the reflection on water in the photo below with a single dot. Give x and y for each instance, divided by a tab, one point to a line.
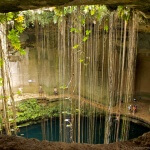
49	130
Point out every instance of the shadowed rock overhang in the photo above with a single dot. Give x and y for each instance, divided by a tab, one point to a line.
18	5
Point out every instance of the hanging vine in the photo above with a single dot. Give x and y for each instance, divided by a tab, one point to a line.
11	26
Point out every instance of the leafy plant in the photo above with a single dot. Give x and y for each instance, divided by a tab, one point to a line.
124	12
75	46
1	81
106	28
85	38
18	26
31	110
14	33
74	30
14	38
44	17
81	60
1	62
88	32
63	87
19	92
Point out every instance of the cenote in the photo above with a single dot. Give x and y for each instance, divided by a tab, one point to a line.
49	130
80	67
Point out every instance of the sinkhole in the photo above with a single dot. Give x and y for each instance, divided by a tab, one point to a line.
92	130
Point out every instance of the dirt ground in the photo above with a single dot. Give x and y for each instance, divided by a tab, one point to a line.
20	143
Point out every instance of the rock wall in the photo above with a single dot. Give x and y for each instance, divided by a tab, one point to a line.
142	83
25	73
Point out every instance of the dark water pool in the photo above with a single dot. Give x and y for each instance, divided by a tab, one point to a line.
96	133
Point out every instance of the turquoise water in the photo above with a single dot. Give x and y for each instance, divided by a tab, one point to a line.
49	130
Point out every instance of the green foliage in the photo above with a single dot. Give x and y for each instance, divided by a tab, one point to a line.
18	27
55	19
97	12
29	18
106	28
63	87
66	112
88	32
83	21
81	60
124	12
74	30
6	17
2	18
85	38
1	62
1	81
10	16
14	38
102	11
19	92
30	110
76	46
0	119
22	51
14	33
43	17
61	12
92	12
69	9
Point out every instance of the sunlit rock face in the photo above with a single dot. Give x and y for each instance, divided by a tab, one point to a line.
16	5
142	65
29	71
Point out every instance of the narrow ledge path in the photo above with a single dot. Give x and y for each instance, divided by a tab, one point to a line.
143	106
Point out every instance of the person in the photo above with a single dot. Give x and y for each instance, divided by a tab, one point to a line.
134	109
130	108
55	91
41	91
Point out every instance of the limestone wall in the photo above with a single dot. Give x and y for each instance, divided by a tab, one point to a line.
142	84
25	73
